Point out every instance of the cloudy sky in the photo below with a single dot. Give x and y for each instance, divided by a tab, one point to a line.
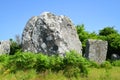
94	14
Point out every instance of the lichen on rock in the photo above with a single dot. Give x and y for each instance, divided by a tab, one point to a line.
50	34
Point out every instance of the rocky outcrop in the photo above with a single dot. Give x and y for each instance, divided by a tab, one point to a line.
4	47
50	34
96	50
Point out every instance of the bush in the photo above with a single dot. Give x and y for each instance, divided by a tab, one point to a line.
94	64
4	58
106	65
75	60
42	62
56	63
71	71
116	63
21	61
25	60
3	62
14	47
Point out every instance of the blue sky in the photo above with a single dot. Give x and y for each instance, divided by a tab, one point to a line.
94	14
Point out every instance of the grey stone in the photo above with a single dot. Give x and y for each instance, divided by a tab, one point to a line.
50	34
96	50
115	57
4	47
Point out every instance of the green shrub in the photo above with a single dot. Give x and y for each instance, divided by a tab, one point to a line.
116	63
106	65
4	58
56	63
74	59
14	47
21	61
94	64
42	63
71	71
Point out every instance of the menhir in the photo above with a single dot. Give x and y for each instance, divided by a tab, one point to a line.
50	34
5	47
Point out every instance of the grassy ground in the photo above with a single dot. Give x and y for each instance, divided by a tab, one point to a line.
103	74
94	74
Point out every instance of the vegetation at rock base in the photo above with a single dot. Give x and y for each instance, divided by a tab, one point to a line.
40	62
30	66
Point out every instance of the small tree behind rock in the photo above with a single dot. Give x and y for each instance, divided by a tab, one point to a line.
15	45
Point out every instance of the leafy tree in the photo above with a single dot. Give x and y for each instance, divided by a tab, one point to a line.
107	31
93	35
14	47
113	44
84	35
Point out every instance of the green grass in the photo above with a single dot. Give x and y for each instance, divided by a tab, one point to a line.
104	74
94	74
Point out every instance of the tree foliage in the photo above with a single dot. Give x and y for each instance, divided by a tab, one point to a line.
84	35
107	31
14	47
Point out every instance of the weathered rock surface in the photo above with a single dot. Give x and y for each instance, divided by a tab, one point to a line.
4	47
96	50
50	34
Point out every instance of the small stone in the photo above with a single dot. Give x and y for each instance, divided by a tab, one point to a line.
4	47
115	57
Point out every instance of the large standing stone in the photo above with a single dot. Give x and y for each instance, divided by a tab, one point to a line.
96	50
4	47
50	34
